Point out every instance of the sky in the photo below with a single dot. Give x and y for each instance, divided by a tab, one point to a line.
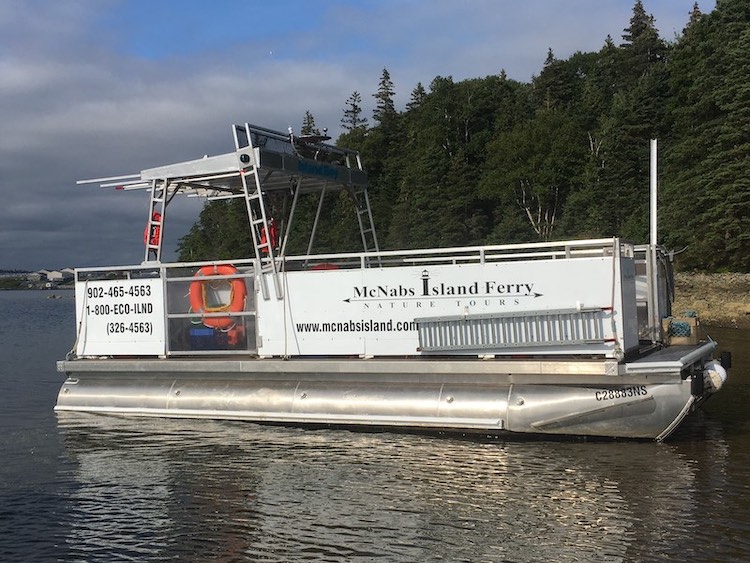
99	88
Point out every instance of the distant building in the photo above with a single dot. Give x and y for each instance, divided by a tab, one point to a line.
57	276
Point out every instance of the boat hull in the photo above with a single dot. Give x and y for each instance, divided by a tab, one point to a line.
541	397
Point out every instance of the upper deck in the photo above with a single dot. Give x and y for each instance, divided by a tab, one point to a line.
284	159
264	164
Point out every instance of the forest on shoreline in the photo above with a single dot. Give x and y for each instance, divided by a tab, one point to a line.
492	160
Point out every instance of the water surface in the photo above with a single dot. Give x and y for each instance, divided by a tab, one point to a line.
98	488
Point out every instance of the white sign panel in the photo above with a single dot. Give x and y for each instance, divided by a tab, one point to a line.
120	317
373	311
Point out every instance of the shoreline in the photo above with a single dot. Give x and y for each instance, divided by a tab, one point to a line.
720	300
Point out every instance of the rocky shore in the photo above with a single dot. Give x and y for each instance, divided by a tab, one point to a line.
721	300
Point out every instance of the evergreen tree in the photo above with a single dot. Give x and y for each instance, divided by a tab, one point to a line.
627	94
383	151
642	45
603	79
384	106
308	125
447	145
708	187
641	25
695	15
532	170
560	84
353	119
222	232
417	97
565	156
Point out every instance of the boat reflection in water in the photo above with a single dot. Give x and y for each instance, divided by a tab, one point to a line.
200	490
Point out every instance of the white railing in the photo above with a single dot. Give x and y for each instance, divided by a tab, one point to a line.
187	331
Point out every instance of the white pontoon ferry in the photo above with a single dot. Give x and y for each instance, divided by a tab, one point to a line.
571	337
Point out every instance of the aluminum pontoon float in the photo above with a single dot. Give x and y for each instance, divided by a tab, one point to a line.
572	337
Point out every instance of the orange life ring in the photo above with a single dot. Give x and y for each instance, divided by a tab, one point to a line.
199	295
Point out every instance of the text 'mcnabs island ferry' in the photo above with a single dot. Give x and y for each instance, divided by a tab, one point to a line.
573	338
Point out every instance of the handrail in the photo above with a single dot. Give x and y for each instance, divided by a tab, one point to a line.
541	250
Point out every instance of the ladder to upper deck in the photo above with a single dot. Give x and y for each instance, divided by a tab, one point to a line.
271	162
153	236
260	228
364	217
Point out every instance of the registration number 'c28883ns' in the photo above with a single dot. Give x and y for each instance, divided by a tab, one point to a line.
621	393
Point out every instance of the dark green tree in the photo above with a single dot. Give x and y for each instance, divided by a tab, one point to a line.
565	156
425	164
417	97
385	109
695	15
383	153
627	94
561	84
642	46
601	82
353	119
308	125
708	186
532	171
221	232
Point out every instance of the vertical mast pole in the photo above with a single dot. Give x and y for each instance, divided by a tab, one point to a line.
652	191
652	269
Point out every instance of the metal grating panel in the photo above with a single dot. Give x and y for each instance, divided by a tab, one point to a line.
540	328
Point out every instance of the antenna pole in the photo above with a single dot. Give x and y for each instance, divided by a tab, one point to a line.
653	190
654	307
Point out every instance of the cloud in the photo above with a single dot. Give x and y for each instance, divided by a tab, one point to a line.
94	88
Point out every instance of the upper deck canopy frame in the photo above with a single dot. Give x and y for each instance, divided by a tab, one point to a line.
264	162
